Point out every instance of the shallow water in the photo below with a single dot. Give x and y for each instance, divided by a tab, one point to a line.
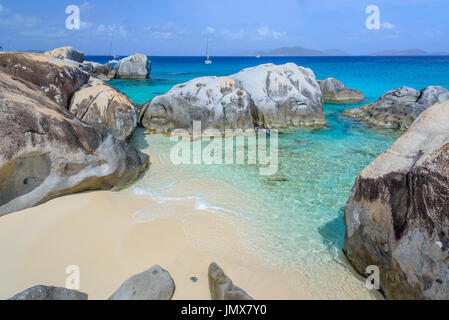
298	221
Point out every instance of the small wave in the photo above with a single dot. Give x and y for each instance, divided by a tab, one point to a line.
158	198
160	209
203	205
168	186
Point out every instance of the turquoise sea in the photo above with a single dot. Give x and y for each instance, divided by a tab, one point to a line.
300	220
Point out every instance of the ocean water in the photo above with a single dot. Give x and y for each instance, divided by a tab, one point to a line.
299	221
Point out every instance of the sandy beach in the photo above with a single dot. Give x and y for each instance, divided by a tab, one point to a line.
99	232
112	236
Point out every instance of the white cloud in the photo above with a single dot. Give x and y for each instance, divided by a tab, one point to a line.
166	30
387	25
3	10
267	32
240	34
257	34
112	30
87	6
210	30
13	20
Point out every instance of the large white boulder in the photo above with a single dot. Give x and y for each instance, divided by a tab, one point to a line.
285	95
267	96
214	101
137	66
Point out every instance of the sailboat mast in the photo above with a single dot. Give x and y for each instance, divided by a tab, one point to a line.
207	48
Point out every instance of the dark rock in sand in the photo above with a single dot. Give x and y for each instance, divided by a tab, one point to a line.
153	284
49	293
222	288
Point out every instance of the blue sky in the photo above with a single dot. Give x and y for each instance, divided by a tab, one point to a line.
180	27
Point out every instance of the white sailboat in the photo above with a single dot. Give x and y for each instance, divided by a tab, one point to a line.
115	58
258	56
208	60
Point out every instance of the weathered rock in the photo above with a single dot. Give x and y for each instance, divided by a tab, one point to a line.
334	91
89	66
56	77
397	216
103	71
112	74
133	67
106	109
49	293
104	78
93	64
66	53
397	109
222	288
213	101
93	81
153	284
285	95
266	96
46	152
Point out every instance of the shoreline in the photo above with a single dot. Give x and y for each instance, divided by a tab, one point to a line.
112	236
97	232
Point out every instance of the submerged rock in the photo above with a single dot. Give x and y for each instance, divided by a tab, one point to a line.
397	216
222	288
136	66
334	91
278	178
46	152
67	53
266	96
57	78
49	293
397	109
106	109
153	284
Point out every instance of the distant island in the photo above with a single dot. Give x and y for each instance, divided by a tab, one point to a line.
410	52
306	52
303	52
